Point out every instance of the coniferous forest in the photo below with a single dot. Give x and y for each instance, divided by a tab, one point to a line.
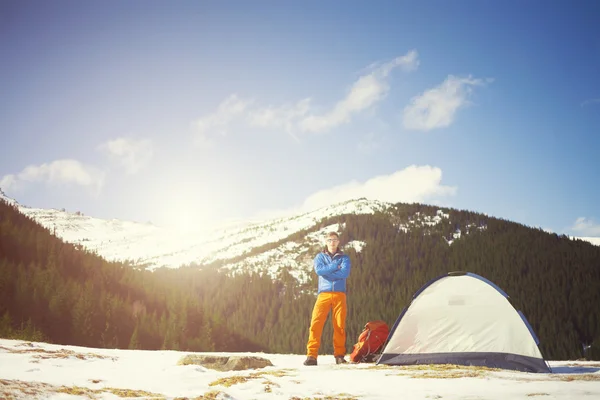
60	293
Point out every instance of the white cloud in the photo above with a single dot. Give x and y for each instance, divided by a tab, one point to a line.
412	184
369	89
437	107
364	93
586	227
589	101
131	154
7	182
217	123
281	117
59	172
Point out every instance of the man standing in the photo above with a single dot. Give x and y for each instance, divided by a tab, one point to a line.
333	267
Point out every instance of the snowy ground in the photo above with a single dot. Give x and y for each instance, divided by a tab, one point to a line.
42	371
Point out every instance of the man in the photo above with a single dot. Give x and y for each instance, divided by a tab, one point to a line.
333	267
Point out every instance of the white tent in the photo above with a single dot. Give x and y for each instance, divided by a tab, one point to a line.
462	318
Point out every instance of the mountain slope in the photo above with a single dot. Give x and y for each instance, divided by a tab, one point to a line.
154	247
270	246
263	246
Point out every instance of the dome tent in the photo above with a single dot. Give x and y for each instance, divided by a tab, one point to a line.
462	318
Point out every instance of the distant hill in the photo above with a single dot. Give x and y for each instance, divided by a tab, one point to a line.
256	284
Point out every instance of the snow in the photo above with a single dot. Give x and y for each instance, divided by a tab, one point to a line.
456	235
421	219
154	246
38	370
357	245
592	240
297	258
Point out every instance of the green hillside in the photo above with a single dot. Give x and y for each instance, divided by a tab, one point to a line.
70	296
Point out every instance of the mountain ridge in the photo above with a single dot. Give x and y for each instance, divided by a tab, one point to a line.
234	248
154	247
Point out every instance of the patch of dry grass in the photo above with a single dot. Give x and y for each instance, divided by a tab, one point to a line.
431	367
75	390
381	366
43	354
448	367
449	374
11	388
231	380
212	395
436	371
132	393
15	389
269	385
556	377
578	377
129	393
235	379
450	371
341	396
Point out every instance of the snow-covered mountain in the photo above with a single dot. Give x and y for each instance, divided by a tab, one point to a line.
153	247
6	198
258	246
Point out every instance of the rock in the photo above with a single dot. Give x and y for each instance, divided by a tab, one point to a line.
226	363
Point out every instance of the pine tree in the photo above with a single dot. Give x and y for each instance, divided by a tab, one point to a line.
134	343
6	328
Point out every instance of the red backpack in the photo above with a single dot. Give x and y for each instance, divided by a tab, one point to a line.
370	341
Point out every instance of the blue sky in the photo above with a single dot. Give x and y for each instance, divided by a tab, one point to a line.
197	112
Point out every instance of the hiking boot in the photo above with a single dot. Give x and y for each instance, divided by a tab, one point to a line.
310	361
340	360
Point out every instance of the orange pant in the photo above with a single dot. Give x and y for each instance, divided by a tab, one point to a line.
326	302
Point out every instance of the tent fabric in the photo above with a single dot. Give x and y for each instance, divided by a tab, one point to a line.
463	318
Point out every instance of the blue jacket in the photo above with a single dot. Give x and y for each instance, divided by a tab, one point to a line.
332	271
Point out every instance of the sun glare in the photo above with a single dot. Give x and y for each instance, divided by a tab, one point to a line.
188	216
